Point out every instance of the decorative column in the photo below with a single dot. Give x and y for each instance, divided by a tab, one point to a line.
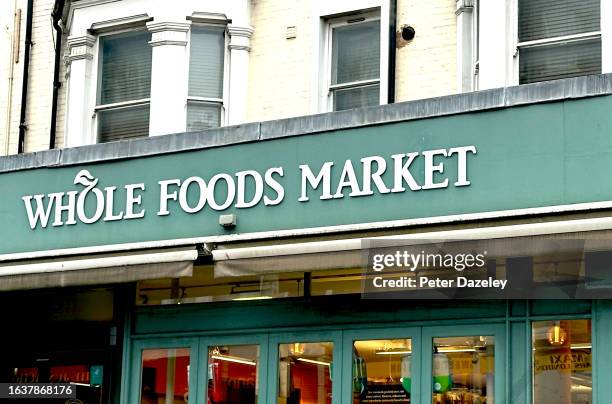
169	77
79	129
239	47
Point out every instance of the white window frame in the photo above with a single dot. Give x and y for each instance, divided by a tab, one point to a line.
475	44
558	40
468	47
97	63
223	102
330	24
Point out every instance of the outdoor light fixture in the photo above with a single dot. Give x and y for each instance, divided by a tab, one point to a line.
228	221
556	335
408	33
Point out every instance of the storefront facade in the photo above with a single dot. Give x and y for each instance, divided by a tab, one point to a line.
240	250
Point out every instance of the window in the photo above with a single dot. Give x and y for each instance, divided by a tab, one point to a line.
355	63
124	87
205	100
558	39
165	376
562	371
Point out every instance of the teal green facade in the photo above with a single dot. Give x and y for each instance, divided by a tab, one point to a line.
533	156
342	320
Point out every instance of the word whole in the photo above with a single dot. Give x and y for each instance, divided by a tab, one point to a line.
90	202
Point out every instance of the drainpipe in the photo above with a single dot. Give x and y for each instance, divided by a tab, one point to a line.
26	73
14	58
392	51
56	16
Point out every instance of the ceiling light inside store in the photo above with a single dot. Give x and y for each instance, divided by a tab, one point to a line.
315	362
234	359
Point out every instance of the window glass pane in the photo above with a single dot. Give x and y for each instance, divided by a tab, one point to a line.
232	374
356	52
126	68
304	373
553	62
540	19
206	62
382	371
562	362
463	370
351	98
202	115
165	376
123	123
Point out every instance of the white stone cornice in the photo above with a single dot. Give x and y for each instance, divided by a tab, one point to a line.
463	6
168	33
81	47
240	37
209	18
126	22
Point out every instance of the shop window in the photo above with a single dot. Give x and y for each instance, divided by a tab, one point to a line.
203	287
165	376
205	101
558	39
354	43
232	374
382	371
304	373
124	87
562	370
463	370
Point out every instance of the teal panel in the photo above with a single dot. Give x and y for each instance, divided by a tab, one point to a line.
560	307
321	312
531	156
519	366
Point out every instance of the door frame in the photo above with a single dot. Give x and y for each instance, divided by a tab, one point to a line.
422	364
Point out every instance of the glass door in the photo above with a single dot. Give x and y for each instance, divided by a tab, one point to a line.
381	365
463	365
308	368
163	371
234	369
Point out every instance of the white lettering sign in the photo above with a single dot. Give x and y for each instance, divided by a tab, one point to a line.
398	173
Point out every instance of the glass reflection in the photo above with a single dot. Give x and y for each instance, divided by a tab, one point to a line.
304	373
165	376
463	370
382	371
562	372
232	374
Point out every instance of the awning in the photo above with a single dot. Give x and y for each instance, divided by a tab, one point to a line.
98	269
349	253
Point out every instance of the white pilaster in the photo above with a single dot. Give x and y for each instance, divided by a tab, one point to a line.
239	47
465	51
169	77
79	121
495	37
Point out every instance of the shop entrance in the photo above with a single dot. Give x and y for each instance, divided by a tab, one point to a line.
440	364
